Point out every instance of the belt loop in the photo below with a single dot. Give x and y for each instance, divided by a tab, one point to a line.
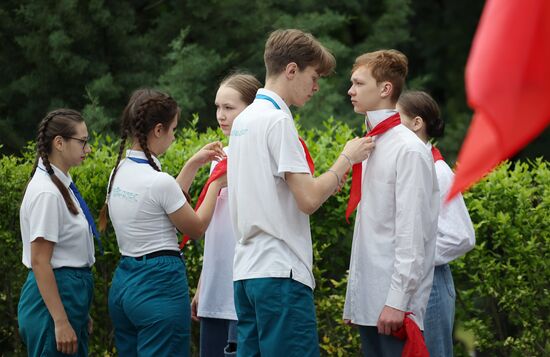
145	259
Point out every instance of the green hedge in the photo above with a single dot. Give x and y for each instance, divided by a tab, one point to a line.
503	296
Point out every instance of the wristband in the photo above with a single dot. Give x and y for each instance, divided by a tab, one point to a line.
349	160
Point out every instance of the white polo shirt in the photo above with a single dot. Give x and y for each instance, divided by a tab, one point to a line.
395	229
273	235
455	231
139	205
43	213
216	295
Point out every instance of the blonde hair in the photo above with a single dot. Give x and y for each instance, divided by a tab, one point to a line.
291	45
246	84
386	65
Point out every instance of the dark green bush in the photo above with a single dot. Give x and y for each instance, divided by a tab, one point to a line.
502	285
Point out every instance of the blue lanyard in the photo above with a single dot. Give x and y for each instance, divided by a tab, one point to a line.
138	160
263	96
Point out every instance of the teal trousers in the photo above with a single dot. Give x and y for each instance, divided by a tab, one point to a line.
36	325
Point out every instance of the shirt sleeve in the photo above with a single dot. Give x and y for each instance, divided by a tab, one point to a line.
46	216
167	193
455	231
414	226
285	148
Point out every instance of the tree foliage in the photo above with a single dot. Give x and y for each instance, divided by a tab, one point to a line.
90	55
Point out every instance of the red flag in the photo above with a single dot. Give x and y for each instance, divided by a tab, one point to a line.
507	85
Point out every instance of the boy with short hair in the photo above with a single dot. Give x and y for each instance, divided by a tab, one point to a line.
391	268
271	193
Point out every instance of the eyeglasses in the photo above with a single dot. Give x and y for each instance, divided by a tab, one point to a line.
84	142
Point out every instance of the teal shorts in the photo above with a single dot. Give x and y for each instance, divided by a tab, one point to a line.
36	325
276	317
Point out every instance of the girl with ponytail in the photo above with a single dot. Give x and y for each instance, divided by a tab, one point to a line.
213	302
149	295
455	232
58	248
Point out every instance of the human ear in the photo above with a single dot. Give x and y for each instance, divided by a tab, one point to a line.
386	90
418	123
57	143
291	69
158	129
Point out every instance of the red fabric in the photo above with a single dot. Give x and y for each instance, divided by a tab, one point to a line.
219	170
507	85
415	346
308	157
356	177
436	154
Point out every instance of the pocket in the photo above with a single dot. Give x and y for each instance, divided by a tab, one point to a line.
449	283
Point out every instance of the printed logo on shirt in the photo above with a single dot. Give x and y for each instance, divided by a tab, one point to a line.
236	132
125	195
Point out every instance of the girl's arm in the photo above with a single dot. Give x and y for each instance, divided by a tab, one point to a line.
210	152
41	255
192	223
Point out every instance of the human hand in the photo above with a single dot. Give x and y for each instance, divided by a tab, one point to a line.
65	337
390	320
349	323
195	308
358	149
209	152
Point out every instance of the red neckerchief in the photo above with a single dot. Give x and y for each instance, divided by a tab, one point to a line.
415	346
219	170
310	162
436	154
356	178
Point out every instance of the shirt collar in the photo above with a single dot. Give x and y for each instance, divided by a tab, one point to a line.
65	179
429	146
375	117
141	155
276	98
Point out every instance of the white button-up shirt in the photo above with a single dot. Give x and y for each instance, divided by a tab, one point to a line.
455	232
395	229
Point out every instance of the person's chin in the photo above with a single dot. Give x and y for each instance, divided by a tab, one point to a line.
358	109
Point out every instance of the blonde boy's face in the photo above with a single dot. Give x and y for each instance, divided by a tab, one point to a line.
365	93
305	84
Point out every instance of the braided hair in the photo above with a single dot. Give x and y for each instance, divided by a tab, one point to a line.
145	109
59	122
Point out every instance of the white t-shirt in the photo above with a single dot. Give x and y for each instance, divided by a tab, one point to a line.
273	235
139	205
394	238
216	295
43	213
455	231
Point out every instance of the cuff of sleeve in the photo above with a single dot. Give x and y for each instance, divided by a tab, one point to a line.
176	206
398	300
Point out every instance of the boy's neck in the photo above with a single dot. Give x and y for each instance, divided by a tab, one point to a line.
279	86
